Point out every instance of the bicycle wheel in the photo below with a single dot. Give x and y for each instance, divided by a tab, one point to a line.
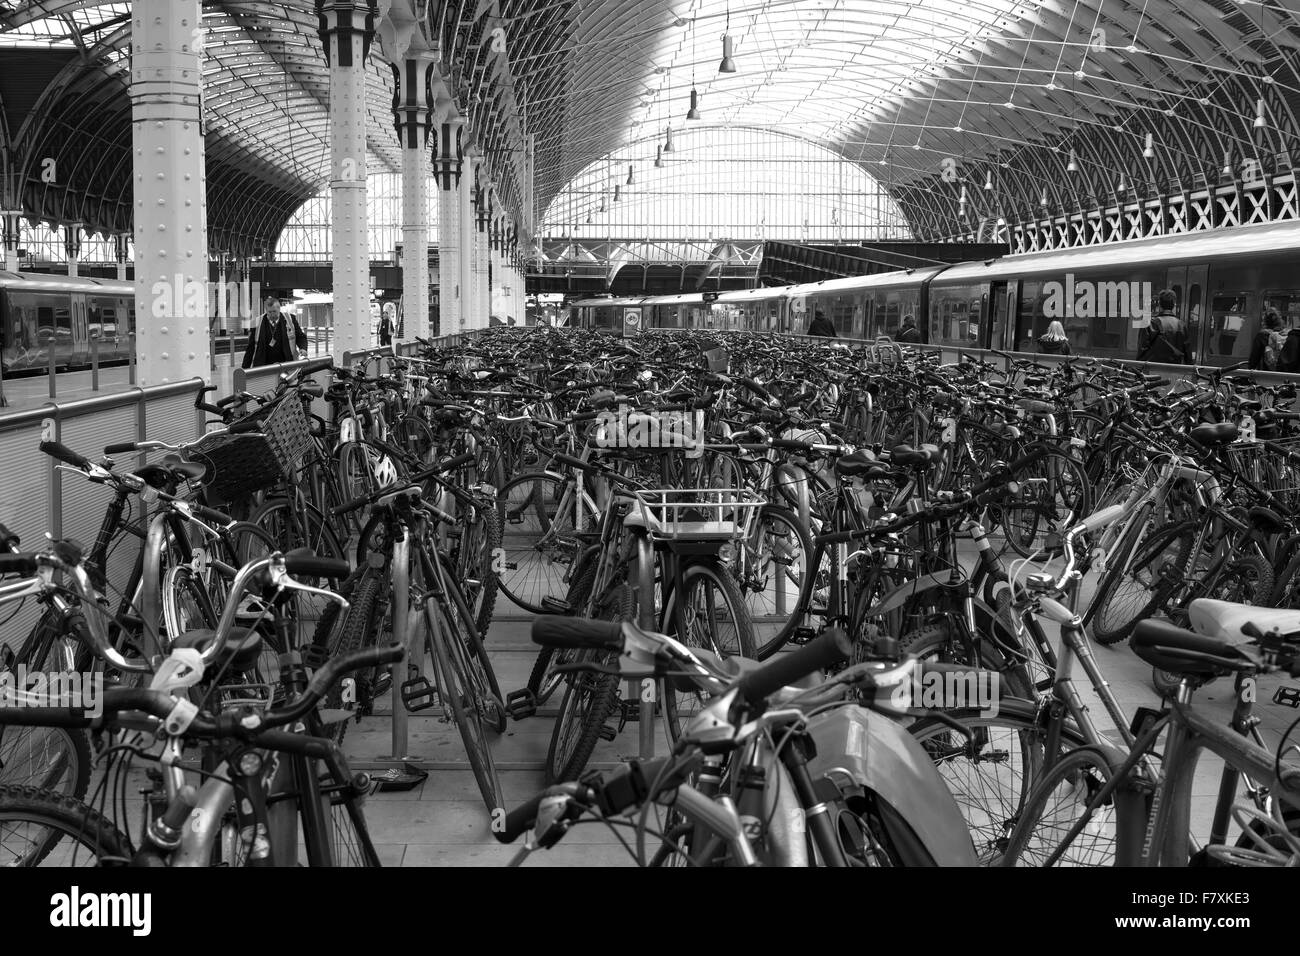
590	698
541	682
478	561
289	526
337	636
991	774
1054	493
356	474
539	540
35	823
468	686
1055	805
56	759
772	565
715	618
1127	595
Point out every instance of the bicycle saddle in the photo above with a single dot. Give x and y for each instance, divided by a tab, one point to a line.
1224	619
923	457
240	653
1214	434
1170	648
1267	520
859	464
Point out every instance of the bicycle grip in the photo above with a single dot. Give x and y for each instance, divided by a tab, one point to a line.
365	658
212	514
830	648
554	630
319	365
451	464
791	444
247	425
519	820
64	454
1004	475
306	562
121	448
230	400
572	462
23	564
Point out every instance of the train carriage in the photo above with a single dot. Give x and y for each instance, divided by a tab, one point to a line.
67	315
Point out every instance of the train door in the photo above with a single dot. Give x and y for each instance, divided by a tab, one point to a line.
1188	284
996	317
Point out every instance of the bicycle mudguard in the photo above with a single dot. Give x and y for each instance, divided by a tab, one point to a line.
900	595
881	756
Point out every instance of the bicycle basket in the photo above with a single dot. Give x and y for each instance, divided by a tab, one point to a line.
698	514
717	360
238	465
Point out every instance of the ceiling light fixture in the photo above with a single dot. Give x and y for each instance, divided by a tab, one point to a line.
988	180
630	178
1150	151
694	112
1260	123
728	64
1073	165
668	140
659	157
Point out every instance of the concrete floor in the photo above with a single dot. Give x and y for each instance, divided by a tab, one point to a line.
444	821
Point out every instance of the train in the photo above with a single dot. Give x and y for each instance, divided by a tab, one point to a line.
67	315
1103	295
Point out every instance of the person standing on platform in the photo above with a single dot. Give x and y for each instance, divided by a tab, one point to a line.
276	337
820	325
1165	339
1266	347
386	328
1054	341
908	333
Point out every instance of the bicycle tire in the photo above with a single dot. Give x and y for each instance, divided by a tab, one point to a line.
356	477
34	654
1067	785
589	698
1054	494
579	593
339	637
538	544
990	823
763	604
65	818
1111	624
477	559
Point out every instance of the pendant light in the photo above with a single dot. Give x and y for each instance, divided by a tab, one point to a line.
988	180
1259	114
1043	199
668	140
694	112
659	157
1073	165
1150	151
728	65
630	178
1227	162
617	198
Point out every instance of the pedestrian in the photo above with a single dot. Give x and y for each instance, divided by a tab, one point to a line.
1289	358
386	328
1165	339
1054	341
1266	347
820	325
908	333
277	337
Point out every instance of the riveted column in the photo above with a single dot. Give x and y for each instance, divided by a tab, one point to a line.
72	247
347	28
482	219
448	171
122	253
170	192
469	317
13	237
413	117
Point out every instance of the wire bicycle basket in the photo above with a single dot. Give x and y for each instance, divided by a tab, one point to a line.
698	514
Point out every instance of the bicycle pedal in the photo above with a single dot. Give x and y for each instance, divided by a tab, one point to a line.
802	635
314	656
418	694
554	605
1288	696
608	733
521	704
383	684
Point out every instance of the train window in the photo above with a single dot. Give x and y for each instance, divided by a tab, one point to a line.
1231	326
955	315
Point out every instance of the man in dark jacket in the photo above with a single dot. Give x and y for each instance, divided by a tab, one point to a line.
820	325
276	337
386	328
908	332
1165	339
1266	346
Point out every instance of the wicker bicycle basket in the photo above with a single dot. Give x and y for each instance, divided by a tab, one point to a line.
239	465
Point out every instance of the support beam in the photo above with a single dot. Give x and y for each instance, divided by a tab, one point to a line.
170	191
347	28
414	122
72	247
469	317
13	237
449	172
